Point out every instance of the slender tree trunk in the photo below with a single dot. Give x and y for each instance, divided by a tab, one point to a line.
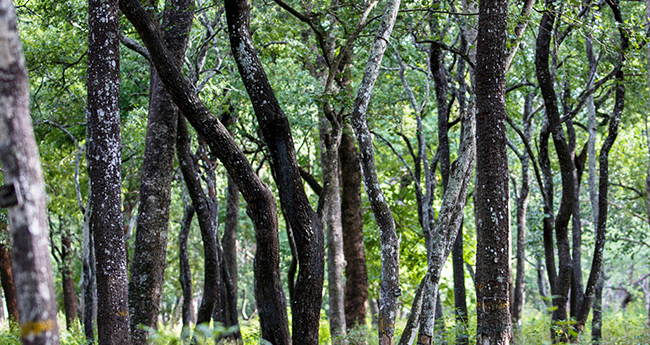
207	213
522	208
185	268
492	189
31	266
330	137
356	273
560	287
7	279
603	178
88	282
261	204
67	277
305	224
597	320
389	289
149	255
229	265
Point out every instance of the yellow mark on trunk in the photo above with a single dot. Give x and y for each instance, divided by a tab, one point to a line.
35	328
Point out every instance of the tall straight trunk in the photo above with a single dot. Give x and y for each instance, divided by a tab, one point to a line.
67	277
261	203
330	137
522	208
207	213
492	189
104	171
389	286
274	125
7	279
356	273
149	255
31	266
229	255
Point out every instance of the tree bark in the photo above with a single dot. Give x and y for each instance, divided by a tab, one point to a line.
389	290
522	208
305	224
207	215
149	255
67	277
229	245
185	268
261	204
356	273
492	188
560	287
8	287
31	266
104	171
603	178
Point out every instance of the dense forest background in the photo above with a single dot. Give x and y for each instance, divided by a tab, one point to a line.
304	201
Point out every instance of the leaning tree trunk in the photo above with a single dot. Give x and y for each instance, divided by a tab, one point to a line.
104	171
261	204
31	266
305	224
149	255
389	286
492	189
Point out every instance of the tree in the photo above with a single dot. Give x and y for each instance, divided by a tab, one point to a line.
104	170
261	205
149	256
31	266
492	191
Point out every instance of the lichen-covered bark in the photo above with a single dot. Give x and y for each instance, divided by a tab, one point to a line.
491	197
229	245
389	242
31	266
104	171
261	204
305	224
149	255
356	273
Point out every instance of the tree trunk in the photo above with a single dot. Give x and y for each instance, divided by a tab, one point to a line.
330	137
8	287
492	189
597	321
356	273
88	282
67	277
389	289
522	208
149	255
207	214
185	268
104	171
460	297
261	204
31	266
305	224
560	287
229	245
